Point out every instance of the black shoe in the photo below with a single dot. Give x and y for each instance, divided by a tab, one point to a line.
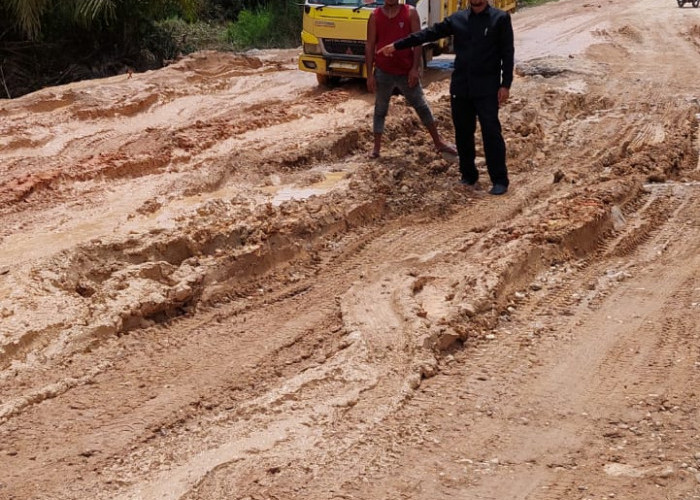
498	189
471	186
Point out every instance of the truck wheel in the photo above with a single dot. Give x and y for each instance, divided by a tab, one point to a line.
327	81
696	3
680	3
323	79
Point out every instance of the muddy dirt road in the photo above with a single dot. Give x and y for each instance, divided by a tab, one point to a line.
208	291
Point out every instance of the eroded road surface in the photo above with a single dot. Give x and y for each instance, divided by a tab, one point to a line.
209	291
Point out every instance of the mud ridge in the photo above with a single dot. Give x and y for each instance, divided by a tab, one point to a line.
577	242
279	250
648	219
329	148
126	108
178	272
15	406
647	213
41	186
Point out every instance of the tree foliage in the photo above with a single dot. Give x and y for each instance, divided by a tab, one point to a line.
28	17
49	42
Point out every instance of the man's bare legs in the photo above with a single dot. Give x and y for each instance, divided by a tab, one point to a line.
440	145
377	146
385	85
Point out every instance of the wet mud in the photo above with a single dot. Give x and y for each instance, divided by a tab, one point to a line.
209	290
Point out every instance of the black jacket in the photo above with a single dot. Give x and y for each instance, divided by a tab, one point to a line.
483	46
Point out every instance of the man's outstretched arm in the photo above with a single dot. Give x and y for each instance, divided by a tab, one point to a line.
431	34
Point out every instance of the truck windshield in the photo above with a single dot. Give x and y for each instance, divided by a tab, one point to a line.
349	3
368	5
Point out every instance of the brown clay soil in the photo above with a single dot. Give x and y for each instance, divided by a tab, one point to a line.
209	291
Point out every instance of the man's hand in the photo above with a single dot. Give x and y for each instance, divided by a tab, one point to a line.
503	94
371	83
413	77
387	50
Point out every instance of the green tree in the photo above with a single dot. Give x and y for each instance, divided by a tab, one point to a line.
28	16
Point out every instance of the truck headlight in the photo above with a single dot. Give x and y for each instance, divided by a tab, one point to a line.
312	48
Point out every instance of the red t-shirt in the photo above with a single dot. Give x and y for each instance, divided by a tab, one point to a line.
390	29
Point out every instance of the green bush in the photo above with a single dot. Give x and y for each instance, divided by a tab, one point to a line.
275	24
253	29
172	37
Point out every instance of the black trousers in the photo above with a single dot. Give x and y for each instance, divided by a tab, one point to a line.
465	111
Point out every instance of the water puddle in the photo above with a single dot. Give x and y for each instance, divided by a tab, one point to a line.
286	193
43	241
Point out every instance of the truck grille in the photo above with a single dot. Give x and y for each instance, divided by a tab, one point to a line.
344	47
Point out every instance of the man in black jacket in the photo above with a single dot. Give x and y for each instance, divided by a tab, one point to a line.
483	73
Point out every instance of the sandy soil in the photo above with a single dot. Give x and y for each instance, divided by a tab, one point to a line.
208	291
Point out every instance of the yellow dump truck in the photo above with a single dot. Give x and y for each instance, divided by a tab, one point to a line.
335	31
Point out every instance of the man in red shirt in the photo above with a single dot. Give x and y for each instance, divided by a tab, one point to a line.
401	71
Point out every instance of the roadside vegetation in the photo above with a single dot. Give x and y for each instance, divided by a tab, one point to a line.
52	42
